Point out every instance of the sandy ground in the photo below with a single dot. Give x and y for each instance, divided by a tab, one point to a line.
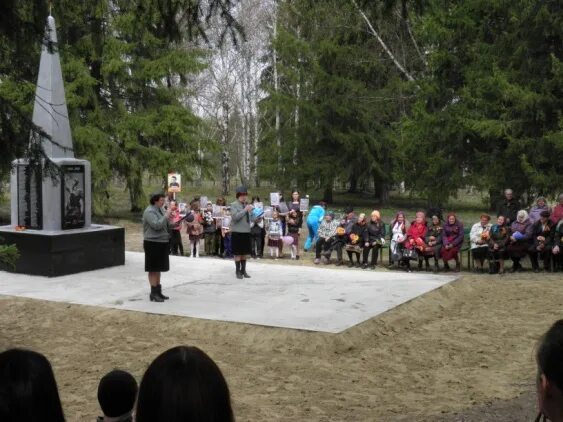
461	352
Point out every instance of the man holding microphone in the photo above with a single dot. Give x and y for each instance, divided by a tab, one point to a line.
240	231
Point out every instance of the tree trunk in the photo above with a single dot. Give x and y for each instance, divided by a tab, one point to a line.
135	187
328	193
225	176
353	183
276	89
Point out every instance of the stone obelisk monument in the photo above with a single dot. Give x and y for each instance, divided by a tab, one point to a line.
51	216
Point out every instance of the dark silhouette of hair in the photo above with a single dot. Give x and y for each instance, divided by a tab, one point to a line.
117	393
549	357
220	201
184	384
550	354
155	197
28	390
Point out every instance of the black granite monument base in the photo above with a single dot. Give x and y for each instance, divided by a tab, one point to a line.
59	253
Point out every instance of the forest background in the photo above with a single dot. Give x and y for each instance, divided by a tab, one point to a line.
428	98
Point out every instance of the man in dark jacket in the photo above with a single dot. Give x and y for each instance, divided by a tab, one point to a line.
543	232
508	207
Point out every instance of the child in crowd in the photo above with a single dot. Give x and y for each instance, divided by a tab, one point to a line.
175	221
226	233
256	231
195	232
209	228
294	223
275	233
117	393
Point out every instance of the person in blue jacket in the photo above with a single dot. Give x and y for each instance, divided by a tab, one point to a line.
314	219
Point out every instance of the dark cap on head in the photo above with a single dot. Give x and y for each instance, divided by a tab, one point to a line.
241	190
117	393
544	214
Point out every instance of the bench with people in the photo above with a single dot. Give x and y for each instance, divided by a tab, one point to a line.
515	235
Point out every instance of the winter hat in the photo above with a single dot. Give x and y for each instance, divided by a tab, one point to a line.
117	393
241	190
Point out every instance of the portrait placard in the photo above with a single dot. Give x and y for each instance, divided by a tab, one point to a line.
268	212
174	182
218	211
304	204
274	199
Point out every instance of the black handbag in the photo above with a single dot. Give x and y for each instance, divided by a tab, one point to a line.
410	254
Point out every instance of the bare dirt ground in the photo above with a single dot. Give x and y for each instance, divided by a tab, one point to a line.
464	352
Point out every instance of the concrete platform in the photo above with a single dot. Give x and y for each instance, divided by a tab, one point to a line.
308	298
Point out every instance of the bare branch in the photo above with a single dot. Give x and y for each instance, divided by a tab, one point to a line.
382	43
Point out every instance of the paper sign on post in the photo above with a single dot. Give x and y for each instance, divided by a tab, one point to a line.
304	204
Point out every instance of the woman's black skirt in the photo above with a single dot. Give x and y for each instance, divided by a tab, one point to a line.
480	253
156	256
240	243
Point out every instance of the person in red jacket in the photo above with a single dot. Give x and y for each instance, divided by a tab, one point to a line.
557	213
415	235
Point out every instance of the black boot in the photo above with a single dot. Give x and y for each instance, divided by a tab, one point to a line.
239	273
154	296
159	287
243	269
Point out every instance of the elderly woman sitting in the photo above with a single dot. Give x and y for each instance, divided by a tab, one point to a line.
479	238
451	241
415	237
520	238
498	239
536	210
433	242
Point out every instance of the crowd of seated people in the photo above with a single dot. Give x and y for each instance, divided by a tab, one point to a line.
182	384
428	239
